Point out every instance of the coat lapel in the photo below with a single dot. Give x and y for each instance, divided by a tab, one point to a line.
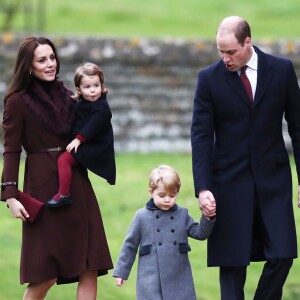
233	79
264	76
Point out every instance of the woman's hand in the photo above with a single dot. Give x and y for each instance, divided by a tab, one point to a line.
17	209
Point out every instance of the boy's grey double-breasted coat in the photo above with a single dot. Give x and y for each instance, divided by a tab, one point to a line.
164	270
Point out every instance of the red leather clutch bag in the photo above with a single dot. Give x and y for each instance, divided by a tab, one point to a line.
32	205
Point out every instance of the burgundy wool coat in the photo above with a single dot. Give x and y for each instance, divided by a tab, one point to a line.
64	242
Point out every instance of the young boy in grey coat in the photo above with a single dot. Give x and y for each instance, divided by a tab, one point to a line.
160	231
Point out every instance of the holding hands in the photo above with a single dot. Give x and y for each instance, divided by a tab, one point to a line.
207	203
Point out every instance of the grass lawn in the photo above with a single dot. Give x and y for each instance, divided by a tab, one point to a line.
156	18
118	204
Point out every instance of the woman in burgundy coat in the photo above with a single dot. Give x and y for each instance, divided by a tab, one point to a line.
65	245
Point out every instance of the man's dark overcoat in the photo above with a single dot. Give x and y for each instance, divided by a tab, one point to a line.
93	122
239	154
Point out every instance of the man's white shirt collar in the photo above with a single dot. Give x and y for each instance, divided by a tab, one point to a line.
252	63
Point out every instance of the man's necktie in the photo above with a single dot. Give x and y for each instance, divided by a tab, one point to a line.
246	83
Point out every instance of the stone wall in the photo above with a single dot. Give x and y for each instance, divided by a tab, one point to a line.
151	82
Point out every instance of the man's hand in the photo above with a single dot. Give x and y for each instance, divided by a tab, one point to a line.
207	203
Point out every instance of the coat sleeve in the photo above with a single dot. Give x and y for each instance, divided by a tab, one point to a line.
129	249
202	134
292	113
12	135
99	120
201	230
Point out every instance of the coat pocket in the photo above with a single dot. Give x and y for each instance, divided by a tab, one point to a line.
39	169
282	158
146	249
220	164
184	247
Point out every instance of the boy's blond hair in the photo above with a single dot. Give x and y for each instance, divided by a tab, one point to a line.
167	176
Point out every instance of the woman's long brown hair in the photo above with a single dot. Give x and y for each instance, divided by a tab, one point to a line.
21	74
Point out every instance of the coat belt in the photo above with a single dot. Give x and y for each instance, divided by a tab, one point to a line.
55	149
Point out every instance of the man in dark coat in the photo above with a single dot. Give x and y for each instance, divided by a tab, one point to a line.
240	162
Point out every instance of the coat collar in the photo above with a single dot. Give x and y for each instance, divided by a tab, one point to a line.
264	77
151	205
51	104
265	73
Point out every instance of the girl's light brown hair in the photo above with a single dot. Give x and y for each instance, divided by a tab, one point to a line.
167	176
88	69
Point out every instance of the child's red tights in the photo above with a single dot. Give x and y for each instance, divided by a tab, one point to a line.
65	163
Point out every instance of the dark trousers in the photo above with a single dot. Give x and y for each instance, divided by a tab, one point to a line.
272	279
